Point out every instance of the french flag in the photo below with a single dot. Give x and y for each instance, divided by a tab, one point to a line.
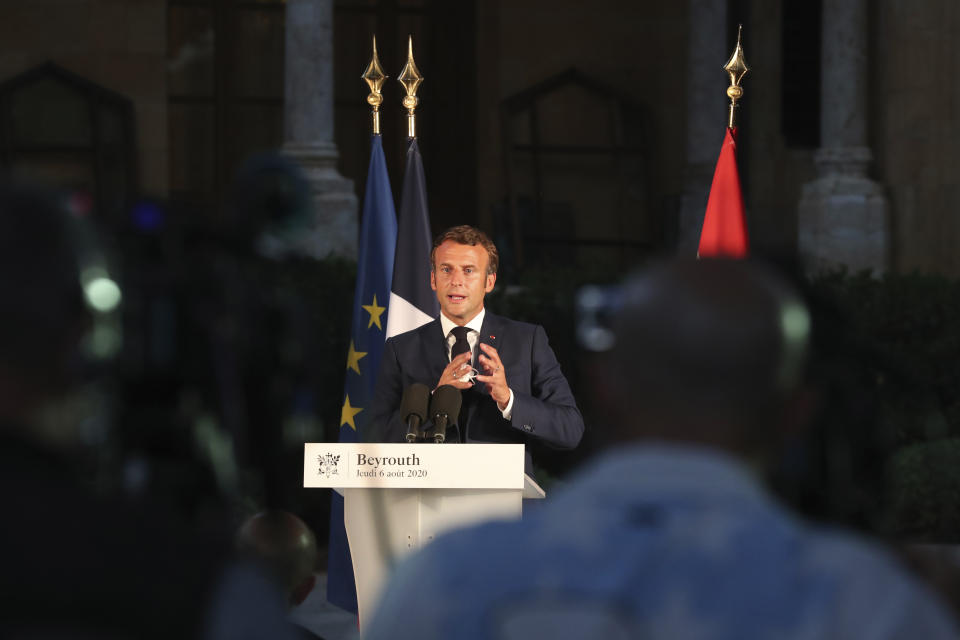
412	301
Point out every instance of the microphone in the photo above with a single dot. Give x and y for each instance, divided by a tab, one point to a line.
413	409
444	409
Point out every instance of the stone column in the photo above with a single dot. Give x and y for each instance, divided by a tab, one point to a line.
308	129
843	214
706	113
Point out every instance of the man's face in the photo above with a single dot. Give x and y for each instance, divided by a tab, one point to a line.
460	279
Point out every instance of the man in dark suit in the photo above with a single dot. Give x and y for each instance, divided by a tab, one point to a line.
519	393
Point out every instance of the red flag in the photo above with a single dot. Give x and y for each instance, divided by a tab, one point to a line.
724	232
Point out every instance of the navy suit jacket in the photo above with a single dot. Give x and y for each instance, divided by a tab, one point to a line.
543	405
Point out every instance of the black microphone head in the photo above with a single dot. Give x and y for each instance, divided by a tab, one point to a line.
416	397
446	401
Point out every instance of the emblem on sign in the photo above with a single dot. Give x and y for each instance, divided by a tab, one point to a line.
328	465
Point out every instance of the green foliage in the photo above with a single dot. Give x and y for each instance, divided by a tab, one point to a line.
907	329
924	491
895	342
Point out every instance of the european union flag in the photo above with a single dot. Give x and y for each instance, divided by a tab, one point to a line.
378	239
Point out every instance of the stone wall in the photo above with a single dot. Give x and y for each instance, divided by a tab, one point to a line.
916	121
118	44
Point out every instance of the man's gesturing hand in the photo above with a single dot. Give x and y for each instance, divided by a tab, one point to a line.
496	377
455	371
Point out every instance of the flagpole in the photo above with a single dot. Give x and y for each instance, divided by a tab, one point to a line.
410	78
736	67
375	77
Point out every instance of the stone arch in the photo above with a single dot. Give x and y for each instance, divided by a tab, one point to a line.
64	131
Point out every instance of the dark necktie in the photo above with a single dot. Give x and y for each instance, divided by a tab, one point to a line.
461	345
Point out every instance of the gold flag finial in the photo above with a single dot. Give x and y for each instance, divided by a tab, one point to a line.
375	78
410	78
736	67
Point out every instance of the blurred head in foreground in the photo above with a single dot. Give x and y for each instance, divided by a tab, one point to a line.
708	352
285	547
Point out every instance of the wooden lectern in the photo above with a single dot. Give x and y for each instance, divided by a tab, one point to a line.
399	497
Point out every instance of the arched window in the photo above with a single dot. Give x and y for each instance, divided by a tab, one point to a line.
576	194
61	130
225	94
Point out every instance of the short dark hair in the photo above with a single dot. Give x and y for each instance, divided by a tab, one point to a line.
717	336
465	234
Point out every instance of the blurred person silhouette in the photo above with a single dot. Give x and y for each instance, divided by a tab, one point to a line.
76	563
242	341
671	534
248	343
286	548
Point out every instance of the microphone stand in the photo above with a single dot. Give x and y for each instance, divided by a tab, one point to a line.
413	428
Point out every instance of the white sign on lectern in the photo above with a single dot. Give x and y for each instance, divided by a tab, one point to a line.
413	466
399	497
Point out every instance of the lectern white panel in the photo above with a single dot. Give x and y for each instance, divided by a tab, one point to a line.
442	511
411	495
383	525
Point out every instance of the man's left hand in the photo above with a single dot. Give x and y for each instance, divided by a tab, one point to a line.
495	378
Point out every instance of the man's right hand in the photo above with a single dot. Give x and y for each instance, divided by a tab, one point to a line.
457	369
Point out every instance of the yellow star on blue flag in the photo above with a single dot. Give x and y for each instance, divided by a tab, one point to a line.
375	313
347	414
353	358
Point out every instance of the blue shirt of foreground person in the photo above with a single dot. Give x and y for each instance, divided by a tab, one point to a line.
519	395
671	535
